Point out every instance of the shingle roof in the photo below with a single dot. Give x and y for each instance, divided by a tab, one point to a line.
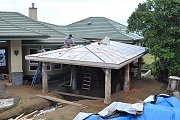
23	22
113	55
63	30
8	30
100	27
16	24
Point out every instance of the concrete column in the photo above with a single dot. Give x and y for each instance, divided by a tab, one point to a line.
107	99
16	62
139	68
73	77
127	77
44	78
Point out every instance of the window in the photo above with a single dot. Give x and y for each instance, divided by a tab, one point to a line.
34	67
33	51
57	66
33	64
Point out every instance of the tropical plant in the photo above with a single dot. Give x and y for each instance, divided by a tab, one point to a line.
159	23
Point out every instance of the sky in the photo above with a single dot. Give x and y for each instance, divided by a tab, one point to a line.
64	12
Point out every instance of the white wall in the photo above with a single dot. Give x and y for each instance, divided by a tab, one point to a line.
16	60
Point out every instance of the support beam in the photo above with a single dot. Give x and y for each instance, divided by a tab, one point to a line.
15	60
107	99
73	77
139	68
44	78
127	77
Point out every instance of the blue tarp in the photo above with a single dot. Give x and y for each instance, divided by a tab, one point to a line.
169	102
163	109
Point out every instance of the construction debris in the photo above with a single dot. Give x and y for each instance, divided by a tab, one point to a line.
32	115
157	107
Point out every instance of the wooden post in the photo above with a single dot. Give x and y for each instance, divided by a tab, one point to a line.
139	68
44	78
127	77
73	77
107	99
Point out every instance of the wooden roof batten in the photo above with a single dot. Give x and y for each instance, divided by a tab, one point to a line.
111	56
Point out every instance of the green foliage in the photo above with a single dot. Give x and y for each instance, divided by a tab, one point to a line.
148	59
159	23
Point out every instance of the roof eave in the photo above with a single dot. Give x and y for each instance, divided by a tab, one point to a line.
84	63
24	37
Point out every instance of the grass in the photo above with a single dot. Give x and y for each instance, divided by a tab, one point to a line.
148	59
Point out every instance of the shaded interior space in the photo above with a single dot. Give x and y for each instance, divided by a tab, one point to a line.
90	81
4	68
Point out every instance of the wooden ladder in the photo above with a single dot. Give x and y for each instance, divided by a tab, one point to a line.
90	79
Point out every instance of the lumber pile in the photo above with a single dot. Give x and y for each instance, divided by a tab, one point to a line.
32	115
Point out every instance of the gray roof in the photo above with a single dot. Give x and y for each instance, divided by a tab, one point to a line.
99	28
63	30
8	30
22	22
14	24
112	55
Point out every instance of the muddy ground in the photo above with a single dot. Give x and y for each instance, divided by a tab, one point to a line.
140	89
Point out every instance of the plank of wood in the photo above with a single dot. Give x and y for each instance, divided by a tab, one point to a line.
28	115
64	83
80	96
59	100
19	116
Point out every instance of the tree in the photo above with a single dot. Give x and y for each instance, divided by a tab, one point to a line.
159	23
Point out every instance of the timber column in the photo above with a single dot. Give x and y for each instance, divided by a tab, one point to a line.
127	77
107	99
15	60
44	78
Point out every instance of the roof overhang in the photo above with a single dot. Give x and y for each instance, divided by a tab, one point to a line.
85	63
4	37
113	56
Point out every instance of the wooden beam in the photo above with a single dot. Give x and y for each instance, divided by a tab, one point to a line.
44	78
73	77
60	100
127	77
80	96
107	99
139	68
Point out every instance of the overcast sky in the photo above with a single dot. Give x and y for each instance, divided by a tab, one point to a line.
63	12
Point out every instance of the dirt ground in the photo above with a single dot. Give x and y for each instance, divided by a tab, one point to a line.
140	89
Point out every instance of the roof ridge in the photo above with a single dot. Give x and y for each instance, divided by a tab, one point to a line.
116	29
5	20
78	21
59	31
116	22
129	36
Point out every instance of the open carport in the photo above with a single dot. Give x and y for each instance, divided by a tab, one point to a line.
113	55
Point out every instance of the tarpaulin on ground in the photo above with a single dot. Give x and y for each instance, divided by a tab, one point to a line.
162	108
169	101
